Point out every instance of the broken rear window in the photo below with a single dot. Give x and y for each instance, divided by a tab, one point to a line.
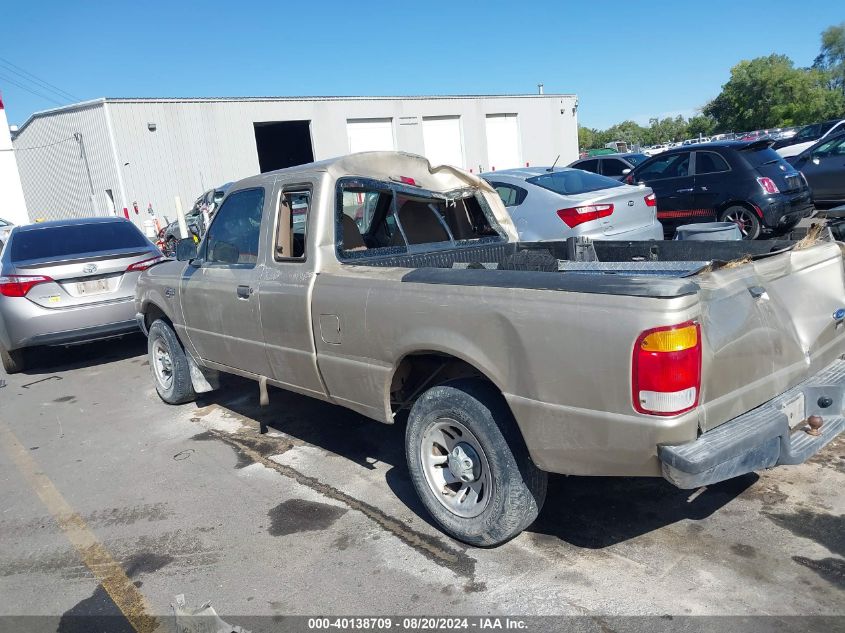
378	218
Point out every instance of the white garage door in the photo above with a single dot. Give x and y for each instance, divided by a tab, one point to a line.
503	147
370	135
442	139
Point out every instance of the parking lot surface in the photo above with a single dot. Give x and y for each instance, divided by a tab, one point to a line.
318	516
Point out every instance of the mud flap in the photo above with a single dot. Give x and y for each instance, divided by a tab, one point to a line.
203	380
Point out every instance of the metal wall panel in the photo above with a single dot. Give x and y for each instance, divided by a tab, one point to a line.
54	176
202	143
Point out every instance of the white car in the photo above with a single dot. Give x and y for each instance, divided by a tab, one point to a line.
807	136
5	228
654	150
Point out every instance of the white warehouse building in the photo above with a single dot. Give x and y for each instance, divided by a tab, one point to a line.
129	155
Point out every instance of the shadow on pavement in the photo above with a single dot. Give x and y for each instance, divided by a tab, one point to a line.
588	512
41	360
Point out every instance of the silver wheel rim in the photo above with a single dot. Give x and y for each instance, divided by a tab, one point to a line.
743	219
456	468
162	364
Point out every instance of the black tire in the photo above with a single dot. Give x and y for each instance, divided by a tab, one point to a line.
517	488
746	219
162	340
13	361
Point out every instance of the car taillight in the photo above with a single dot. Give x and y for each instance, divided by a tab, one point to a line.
18	286
651	200
629	179
666	377
147	263
768	185
578	215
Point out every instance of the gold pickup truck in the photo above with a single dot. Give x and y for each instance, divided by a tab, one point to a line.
397	289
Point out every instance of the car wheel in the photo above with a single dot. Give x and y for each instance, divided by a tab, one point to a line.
169	365
469	464
13	361
745	219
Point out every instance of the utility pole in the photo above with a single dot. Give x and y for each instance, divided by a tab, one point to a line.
84	155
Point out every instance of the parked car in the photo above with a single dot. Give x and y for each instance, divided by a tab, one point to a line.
655	149
823	165
807	136
729	181
69	281
548	204
5	228
511	359
208	202
613	166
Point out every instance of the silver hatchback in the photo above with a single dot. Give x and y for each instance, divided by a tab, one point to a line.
554	204
69	281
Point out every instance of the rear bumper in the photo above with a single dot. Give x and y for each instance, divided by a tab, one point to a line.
653	231
762	438
783	209
25	324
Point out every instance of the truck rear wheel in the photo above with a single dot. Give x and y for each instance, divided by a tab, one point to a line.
469	464
169	365
13	361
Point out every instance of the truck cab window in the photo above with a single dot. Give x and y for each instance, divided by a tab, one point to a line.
233	236
291	225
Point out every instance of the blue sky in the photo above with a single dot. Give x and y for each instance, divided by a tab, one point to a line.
625	60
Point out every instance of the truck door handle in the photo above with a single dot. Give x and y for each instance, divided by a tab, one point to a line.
244	292
685	190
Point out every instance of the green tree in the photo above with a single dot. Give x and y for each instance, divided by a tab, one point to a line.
700	125
831	59
769	92
586	138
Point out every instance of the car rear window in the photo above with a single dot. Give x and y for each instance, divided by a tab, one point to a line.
762	156
57	242
573	181
636	159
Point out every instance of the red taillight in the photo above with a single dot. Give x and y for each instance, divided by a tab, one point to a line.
630	179
666	372
147	263
768	185
651	200
578	215
18	286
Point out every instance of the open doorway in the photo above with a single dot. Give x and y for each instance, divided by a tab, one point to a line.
283	144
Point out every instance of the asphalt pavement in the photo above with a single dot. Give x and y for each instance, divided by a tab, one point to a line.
112	503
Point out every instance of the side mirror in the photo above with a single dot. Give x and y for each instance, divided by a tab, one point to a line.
625	172
186	249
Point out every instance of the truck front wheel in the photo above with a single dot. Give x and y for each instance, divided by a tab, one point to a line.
169	365
469	464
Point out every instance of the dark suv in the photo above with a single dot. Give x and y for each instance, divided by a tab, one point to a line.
731	181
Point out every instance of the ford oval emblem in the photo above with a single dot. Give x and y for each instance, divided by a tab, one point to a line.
839	314
89	268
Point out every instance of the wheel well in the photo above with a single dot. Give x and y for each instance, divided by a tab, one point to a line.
418	371
152	313
739	203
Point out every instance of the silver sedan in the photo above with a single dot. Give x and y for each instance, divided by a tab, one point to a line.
69	282
554	204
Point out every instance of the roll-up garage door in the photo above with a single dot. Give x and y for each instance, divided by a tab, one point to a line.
503	146
370	135
442	139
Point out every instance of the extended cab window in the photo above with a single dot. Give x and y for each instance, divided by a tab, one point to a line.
233	236
376	218
291	224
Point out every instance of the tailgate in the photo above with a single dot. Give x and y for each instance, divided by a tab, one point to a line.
768	325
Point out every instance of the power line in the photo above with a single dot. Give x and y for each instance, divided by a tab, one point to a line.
23	87
23	149
37	80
